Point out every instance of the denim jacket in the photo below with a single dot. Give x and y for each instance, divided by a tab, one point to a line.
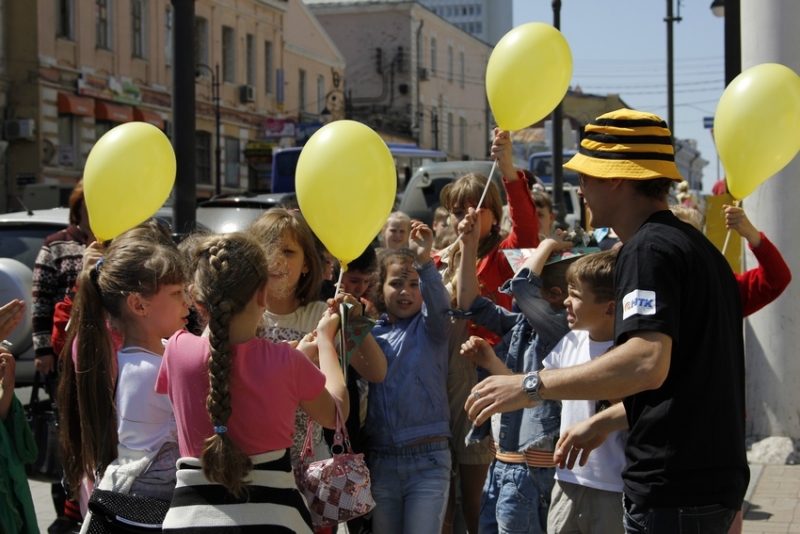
411	402
528	337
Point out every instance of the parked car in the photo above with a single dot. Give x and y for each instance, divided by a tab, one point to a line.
22	235
234	213
421	197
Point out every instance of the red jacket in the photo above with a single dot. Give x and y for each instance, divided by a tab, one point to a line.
765	283
494	269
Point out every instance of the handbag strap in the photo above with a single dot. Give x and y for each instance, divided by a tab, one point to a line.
340	437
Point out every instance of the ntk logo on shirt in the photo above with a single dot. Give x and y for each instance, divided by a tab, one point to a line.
639	302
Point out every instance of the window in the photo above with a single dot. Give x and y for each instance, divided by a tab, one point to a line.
201	43
471	10
320	93
202	158
228	54
479	27
138	34
301	87
450	135
268	67
168	37
449	63
101	128
251	59
478	9
103	24
433	56
232	161
462	69
64	19
68	147
462	141
421	126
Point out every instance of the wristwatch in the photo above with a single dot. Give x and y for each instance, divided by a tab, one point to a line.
531	384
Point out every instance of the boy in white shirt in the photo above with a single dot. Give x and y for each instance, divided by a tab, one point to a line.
588	499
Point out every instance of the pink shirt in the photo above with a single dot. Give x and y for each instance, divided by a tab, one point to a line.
267	382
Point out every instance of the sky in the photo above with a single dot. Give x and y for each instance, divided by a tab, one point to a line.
620	46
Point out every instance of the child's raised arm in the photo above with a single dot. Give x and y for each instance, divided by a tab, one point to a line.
322	409
555	242
467	285
760	286
502	148
420	242
368	359
735	219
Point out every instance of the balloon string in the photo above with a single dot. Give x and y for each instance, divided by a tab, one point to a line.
339	282
728	237
480	203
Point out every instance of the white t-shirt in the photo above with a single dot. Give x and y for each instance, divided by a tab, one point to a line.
293	326
604	469
145	420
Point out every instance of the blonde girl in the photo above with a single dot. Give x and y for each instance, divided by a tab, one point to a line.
235	397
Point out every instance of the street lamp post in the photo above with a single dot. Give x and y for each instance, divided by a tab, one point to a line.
558	139
670	78
218	125
731	10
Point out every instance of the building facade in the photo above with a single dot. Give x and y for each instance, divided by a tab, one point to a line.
488	20
77	68
411	75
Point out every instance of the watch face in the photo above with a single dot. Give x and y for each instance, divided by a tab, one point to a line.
530	382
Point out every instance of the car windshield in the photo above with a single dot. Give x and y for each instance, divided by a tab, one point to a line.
22	242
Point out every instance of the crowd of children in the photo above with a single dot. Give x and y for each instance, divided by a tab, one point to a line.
212	418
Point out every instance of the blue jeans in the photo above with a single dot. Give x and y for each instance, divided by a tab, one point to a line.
516	498
711	519
410	486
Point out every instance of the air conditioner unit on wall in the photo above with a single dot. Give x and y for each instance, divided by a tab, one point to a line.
19	129
247	93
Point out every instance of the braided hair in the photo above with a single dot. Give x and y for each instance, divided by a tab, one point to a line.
229	270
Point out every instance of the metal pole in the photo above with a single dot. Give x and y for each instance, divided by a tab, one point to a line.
183	116
670	77
558	140
733	40
218	151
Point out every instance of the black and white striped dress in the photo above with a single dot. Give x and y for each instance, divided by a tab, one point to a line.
272	502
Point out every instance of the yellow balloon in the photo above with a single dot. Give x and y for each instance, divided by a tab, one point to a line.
757	126
346	185
129	174
528	75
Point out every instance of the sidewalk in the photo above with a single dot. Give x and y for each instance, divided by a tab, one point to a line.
772	502
774	505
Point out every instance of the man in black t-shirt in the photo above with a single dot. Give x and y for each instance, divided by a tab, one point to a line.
678	362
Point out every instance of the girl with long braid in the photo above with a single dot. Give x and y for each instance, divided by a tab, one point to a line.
235	397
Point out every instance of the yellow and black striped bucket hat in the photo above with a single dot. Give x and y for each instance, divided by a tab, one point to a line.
627	144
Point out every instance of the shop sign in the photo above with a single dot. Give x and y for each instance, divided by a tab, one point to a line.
279	127
109	89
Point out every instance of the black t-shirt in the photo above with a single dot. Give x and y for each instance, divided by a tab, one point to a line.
686	440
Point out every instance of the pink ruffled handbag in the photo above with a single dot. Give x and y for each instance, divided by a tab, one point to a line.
337	489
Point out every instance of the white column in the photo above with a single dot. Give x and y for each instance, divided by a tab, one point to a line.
772	336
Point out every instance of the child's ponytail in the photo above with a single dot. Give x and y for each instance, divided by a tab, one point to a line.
228	272
86	391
